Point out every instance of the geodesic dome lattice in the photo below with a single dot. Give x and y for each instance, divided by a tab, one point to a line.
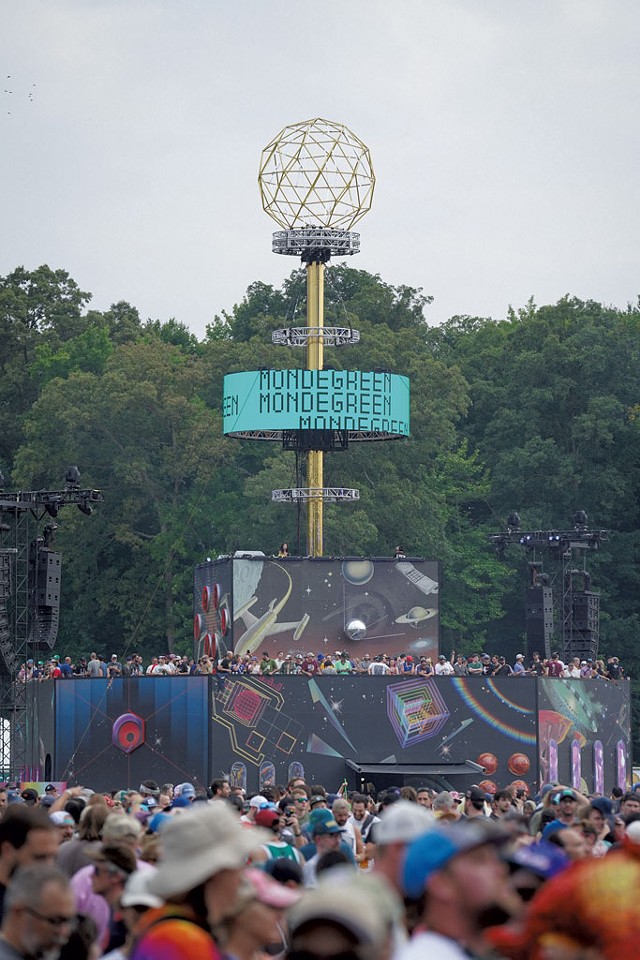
316	173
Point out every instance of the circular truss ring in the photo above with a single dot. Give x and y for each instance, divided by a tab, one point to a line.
305	494
300	336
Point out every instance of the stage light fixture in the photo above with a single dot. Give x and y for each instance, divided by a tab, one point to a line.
52	509
513	522
580	520
72	478
85	508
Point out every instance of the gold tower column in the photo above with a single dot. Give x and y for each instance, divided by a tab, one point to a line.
315	360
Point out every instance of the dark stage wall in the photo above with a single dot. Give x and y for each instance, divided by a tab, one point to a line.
298	605
112	734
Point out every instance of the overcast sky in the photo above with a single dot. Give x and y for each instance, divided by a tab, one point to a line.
504	135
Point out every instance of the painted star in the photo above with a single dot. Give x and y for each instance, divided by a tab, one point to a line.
336	705
308	590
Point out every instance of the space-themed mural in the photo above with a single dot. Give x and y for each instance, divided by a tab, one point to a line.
447	732
479	730
295	605
585	729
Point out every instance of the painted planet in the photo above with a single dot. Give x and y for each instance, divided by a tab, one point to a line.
518	764
416	615
488	786
489	761
357	572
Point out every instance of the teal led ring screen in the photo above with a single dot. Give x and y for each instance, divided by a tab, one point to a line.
370	406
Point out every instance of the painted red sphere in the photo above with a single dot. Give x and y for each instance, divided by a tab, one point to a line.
519	764
489	761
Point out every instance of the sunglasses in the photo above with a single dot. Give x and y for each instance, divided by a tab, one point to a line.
312	955
54	921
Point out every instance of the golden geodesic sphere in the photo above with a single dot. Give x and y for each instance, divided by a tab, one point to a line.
316	174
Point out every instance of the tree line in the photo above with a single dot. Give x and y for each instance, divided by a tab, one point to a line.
537	412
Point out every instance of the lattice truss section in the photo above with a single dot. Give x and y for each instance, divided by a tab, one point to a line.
416	710
316	173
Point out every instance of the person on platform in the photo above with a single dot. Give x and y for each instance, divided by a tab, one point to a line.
444	667
378	667
283	550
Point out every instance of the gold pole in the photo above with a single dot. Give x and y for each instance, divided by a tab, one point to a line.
315	360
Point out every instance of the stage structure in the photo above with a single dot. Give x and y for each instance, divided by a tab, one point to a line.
30	577
562	612
316	181
445	732
250	603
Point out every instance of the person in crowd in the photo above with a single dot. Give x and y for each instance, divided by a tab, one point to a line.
566	806
64	824
349	916
474	803
341	810
198	878
27	838
445	806
135	901
39	913
220	788
457	870
113	864
255	924
278	844
629	805
424	796
326	836
399	825
119	829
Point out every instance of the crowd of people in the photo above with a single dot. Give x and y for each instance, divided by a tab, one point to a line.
341	663
166	872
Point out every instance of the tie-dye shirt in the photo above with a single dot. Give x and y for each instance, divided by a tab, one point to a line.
173	933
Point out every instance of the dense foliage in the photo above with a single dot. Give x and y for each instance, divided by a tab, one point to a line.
538	412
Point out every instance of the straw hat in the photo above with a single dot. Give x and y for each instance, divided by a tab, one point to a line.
200	843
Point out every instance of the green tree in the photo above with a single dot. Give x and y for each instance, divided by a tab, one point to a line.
143	435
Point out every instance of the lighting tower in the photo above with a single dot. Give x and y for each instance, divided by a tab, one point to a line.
316	181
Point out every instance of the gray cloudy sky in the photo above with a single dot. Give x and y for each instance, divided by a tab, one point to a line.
504	136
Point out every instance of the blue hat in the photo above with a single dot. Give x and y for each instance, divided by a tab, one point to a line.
185	790
542	858
552	828
434	849
565	794
157	822
322	823
603	804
